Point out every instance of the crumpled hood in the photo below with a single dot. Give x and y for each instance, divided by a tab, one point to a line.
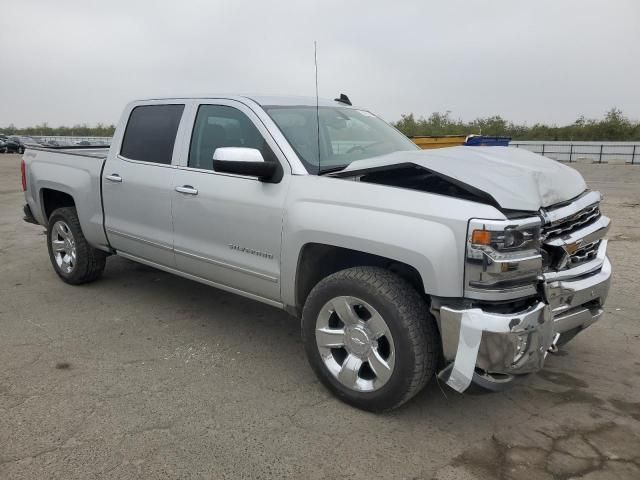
516	178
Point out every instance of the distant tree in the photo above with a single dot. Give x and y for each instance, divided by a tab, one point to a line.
615	126
408	125
43	129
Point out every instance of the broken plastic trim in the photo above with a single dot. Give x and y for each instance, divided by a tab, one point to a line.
494	383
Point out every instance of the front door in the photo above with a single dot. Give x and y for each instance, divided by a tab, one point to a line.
137	185
228	228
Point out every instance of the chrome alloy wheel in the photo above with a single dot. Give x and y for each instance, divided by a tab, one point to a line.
63	246
355	344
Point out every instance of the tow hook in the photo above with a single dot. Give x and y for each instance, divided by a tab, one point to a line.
553	348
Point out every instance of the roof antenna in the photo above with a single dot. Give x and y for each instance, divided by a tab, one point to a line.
343	99
315	58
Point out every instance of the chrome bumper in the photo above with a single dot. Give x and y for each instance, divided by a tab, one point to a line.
490	347
577	302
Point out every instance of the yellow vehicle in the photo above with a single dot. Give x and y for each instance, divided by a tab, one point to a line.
439	141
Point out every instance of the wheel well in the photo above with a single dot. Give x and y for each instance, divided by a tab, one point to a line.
54	199
318	261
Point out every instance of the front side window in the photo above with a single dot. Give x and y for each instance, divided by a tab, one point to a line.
344	135
151	133
222	126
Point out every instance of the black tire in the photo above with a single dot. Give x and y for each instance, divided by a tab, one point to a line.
21	150
407	316
89	263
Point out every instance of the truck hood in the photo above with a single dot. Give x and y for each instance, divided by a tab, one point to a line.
514	178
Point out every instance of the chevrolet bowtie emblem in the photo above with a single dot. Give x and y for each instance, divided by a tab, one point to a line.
572	248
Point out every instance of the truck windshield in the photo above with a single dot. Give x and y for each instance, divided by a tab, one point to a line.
346	135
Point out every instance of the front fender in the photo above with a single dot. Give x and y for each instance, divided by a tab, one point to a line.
427	246
425	231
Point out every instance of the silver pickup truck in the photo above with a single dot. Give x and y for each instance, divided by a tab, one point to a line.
470	263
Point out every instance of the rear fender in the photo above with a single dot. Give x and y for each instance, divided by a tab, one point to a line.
82	185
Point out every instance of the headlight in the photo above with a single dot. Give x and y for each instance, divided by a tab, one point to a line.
503	258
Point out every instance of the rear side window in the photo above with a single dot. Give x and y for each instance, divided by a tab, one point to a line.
151	133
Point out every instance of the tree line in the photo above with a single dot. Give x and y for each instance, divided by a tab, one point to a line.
44	130
615	126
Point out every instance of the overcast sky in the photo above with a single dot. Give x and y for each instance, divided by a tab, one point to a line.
77	61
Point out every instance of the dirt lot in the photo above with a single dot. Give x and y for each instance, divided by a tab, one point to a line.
147	375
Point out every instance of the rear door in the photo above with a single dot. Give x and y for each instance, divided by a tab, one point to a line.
137	184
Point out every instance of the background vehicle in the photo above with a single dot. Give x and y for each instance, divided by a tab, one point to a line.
397	260
15	145
3	146
58	143
427	142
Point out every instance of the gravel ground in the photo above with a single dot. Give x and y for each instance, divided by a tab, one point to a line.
147	375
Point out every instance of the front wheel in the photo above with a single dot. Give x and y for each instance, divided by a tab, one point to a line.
369	337
73	259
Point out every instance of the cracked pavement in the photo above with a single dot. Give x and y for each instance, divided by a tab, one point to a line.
146	375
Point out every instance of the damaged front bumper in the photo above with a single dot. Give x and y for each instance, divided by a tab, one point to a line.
498	345
491	348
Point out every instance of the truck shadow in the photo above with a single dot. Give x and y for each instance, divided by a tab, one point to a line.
193	310
276	335
272	337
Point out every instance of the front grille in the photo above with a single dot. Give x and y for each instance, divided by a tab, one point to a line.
559	258
586	253
567	225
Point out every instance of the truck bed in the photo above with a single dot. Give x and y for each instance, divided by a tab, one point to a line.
76	171
82	151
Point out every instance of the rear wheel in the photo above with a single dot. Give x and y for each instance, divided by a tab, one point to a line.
369	337
73	259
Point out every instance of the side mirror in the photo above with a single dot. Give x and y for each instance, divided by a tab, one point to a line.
243	161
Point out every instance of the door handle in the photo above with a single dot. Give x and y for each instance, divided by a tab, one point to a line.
114	177
188	189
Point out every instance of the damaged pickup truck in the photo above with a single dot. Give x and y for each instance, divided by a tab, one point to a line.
471	263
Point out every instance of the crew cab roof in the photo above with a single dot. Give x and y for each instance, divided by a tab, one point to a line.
263	100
